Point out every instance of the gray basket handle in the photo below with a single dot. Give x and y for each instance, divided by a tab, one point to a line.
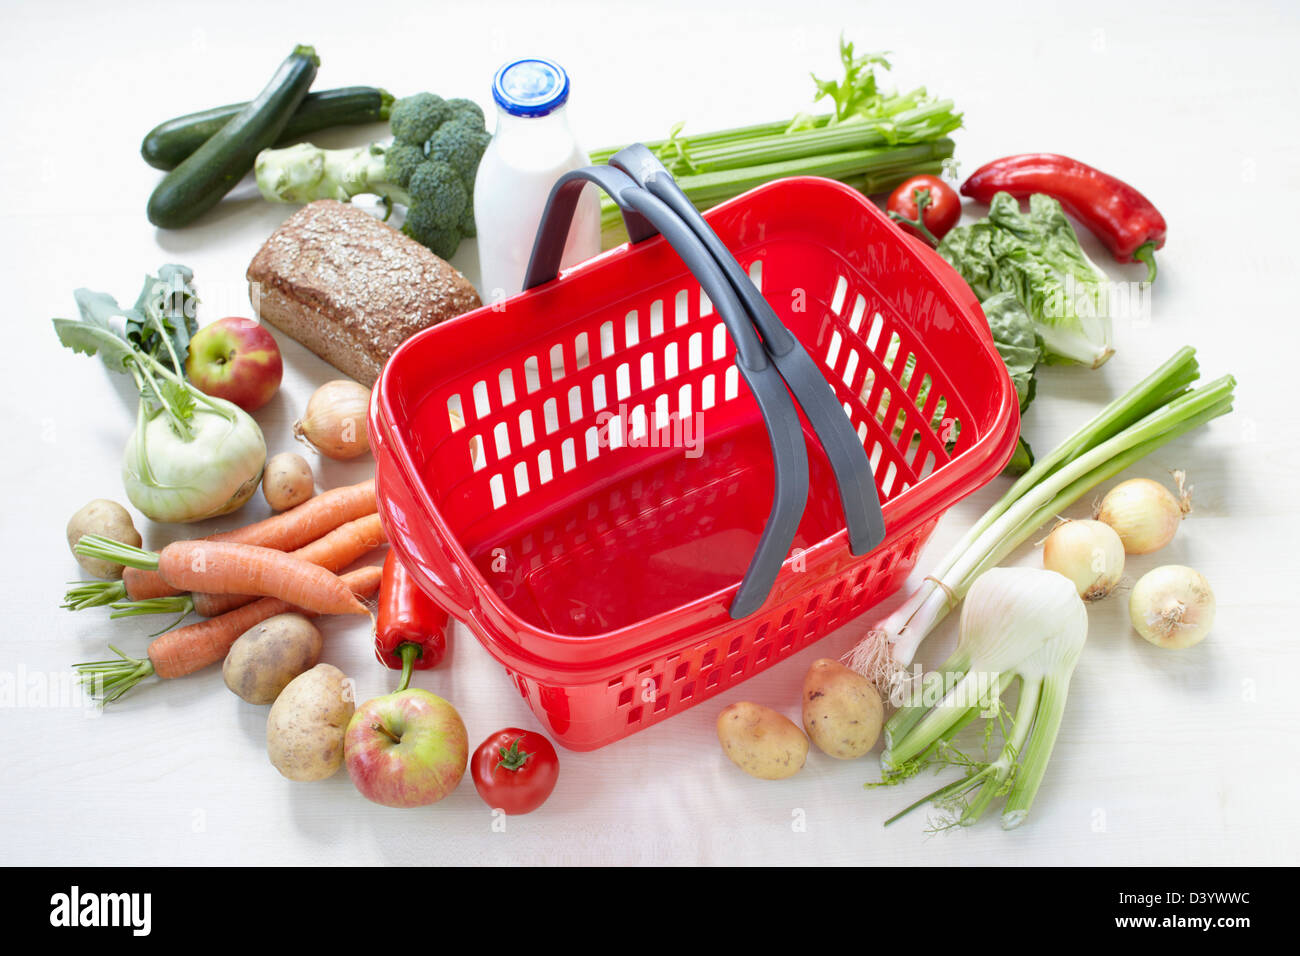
780	417
844	450
553	231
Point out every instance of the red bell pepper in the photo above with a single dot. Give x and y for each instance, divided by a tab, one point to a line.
410	629
1120	216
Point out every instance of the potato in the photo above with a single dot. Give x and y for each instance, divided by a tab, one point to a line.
842	710
267	656
110	519
304	731
287	481
761	742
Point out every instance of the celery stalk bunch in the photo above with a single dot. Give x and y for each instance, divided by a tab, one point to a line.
873	140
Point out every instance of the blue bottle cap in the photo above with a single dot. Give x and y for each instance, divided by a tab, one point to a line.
531	87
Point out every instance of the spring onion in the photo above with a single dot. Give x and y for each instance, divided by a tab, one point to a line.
1017	623
1151	414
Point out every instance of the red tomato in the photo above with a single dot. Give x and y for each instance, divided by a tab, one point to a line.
942	207
515	770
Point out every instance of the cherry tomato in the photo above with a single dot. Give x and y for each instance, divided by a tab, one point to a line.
515	770
939	204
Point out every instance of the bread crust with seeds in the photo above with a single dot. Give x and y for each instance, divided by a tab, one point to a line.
351	288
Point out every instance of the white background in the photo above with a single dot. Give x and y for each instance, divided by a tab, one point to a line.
1164	757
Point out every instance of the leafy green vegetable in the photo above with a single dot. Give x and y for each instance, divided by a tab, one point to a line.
1037	257
1016	341
1021	350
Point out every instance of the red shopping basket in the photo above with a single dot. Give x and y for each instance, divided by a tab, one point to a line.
579	475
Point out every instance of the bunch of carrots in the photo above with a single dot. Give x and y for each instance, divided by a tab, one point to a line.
236	579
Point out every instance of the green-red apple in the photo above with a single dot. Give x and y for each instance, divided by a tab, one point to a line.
406	749
236	359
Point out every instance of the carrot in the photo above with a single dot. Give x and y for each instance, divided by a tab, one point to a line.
220	567
310	520
286	531
334	551
199	645
195	646
144	585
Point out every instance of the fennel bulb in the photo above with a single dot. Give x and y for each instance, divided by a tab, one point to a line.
1017	623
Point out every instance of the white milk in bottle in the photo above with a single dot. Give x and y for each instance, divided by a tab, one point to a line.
531	148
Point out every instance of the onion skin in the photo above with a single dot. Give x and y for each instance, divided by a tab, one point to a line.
1172	607
335	422
1144	513
1089	553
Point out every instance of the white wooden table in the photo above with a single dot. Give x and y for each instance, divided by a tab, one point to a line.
1164	757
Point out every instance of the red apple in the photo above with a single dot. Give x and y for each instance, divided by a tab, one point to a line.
236	359
406	749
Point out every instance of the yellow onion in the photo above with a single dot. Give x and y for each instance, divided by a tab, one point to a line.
1172	606
1145	513
1089	553
335	420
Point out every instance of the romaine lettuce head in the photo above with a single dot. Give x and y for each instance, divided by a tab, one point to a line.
1037	257
1016	341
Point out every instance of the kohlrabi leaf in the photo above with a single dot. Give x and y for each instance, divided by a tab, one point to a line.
167	316
1037	257
148	341
93	338
100	311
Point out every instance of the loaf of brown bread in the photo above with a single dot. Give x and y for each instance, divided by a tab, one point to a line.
352	288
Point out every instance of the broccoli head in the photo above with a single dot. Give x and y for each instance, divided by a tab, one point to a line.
401	160
421	226
415	118
460	145
429	168
467	110
437	187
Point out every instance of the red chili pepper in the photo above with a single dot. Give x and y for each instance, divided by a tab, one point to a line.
1121	217
410	629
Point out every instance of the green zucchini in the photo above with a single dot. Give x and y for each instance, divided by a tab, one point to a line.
212	170
169	143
